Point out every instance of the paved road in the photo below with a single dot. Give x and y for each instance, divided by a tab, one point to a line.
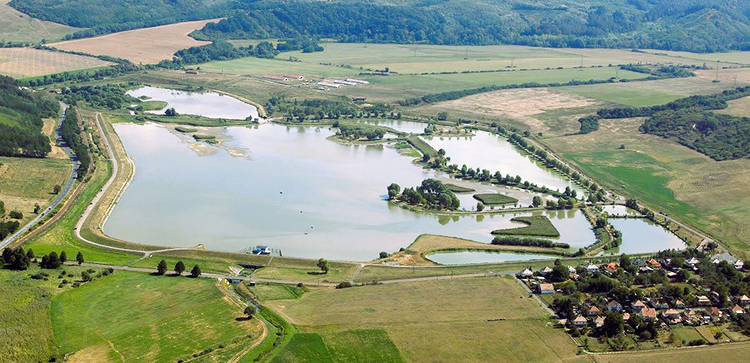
60	196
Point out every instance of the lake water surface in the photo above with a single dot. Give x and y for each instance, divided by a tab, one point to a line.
296	191
306	195
207	104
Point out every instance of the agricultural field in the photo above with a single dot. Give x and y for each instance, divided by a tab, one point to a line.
667	176
29	62
479	319
140	46
19	27
739	108
405	58
166	318
26	181
727	352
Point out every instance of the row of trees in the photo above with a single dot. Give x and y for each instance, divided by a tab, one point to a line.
71	134
18	259
526	241
179	268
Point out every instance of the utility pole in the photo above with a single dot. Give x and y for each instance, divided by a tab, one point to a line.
717	71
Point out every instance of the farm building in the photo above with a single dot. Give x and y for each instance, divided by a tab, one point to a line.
357	81
294	76
345	82
326	84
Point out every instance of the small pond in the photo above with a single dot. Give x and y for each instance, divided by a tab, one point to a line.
640	235
469	257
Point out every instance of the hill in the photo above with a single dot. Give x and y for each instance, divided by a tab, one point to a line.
692	25
20	120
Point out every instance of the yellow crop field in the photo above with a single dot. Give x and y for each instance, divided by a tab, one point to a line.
29	62
148	45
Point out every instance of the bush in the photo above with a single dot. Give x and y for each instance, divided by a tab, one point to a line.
344	285
15	214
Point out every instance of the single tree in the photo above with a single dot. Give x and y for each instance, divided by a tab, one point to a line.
37	208
30	254
79	257
85	276
56	189
51	261
250	311
179	268
196	271
323	265
63	257
161	269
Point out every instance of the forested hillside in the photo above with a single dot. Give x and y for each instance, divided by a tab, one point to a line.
690	122
694	25
20	120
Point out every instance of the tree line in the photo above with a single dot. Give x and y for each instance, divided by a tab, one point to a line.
526	241
71	134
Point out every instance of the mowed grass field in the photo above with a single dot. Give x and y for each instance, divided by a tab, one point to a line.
26	181
16	26
478	319
148	45
133	316
29	62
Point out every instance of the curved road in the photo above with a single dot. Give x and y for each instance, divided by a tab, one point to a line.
60	196
100	194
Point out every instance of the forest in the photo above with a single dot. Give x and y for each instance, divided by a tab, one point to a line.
21	113
691	25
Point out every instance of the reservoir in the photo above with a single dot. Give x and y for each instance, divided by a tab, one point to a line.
294	190
208	104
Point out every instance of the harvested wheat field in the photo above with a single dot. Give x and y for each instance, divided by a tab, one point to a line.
29	62
148	45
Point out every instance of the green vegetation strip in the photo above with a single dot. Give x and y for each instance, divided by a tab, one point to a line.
458	189
422	146
537	226
495	198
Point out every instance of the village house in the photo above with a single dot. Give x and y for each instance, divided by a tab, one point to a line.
611	267
737	310
599	321
638	305
744	300
654	264
545	270
527	273
703	300
592	310
545	288
672	316
626	316
714	314
579	321
679	304
614	306
648	314
592	268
